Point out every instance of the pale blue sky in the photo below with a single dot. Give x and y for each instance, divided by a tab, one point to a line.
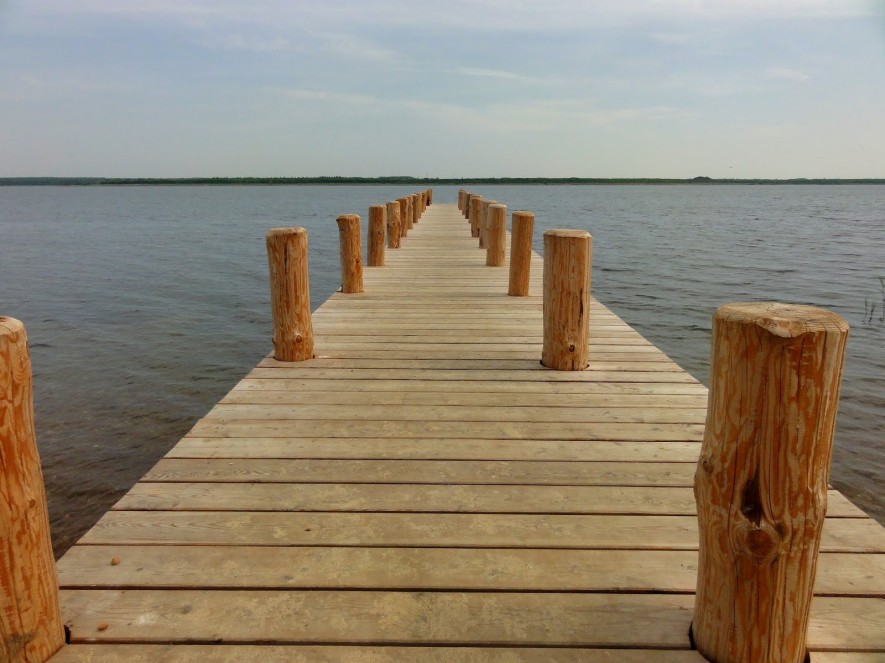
626	88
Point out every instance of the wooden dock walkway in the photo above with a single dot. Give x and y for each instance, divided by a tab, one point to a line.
424	490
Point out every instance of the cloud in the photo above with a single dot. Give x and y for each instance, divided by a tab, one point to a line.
787	74
487	73
479	15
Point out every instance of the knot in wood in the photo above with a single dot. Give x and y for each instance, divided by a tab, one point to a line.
760	542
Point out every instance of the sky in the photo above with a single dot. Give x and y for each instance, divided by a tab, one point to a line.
448	88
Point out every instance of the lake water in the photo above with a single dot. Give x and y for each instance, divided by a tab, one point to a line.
145	305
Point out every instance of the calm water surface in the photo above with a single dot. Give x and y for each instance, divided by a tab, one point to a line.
145	305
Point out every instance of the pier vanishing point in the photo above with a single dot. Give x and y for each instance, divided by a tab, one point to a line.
424	489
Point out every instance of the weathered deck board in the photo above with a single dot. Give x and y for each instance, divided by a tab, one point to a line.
425	483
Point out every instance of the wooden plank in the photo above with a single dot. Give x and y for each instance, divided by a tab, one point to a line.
603	620
428	569
440	413
112	653
422	472
528	374
497	430
597	363
437	530
470	384
475	618
425	498
435	448
490	400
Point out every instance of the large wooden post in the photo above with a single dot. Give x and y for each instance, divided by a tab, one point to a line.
290	294
484	223
429	197
403	217
393	225
522	226
351	253
466	211
475	211
496	252
761	480
30	621
413	201
566	299
375	249
461	198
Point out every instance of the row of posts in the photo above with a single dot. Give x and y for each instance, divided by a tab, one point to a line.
566	278
762	476
760	484
288	267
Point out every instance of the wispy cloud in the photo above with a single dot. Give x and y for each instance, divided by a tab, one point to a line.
475	14
787	74
487	73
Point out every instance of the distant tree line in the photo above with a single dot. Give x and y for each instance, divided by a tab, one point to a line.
399	179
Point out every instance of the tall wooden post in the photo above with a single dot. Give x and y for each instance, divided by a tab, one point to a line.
413	199
30	621
475	211
429	197
484	222
466	211
496	252
375	249
403	217
351	253
566	299
393	225
461	198
290	294
521	230
761	480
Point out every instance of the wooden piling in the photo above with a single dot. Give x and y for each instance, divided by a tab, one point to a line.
496	252
290	294
461	199
375	248
351	253
484	222
521	230
31	628
466	211
761	480
403	218
475	212
566	299
393	225
429	197
414	202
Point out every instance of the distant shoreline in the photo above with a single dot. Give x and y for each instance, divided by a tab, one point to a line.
400	180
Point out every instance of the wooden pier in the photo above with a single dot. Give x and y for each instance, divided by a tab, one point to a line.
425	490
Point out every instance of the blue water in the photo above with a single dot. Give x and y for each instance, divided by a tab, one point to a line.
144	305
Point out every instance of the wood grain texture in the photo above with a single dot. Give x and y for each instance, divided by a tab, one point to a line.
290	294
475	212
376	235
761	480
394	225
378	654
522	225
496	250
566	300
30	622
351	253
